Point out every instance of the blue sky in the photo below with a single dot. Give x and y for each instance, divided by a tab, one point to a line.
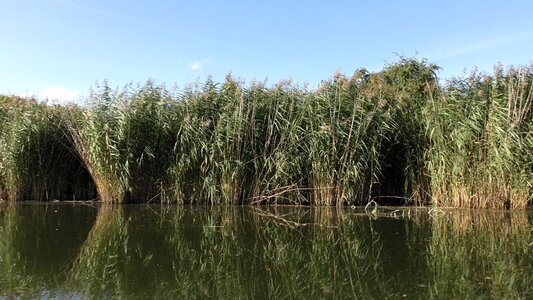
60	48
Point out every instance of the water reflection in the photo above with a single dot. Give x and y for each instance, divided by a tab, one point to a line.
38	244
262	252
483	253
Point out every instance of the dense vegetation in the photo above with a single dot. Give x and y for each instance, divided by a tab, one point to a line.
396	136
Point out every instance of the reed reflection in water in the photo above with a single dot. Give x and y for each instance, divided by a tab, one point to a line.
263	252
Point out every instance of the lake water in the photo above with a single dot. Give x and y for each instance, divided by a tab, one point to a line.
83	251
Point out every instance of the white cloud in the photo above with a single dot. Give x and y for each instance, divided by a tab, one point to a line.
59	94
27	94
197	65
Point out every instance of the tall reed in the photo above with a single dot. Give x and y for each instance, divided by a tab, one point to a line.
37	159
124	139
394	136
482	140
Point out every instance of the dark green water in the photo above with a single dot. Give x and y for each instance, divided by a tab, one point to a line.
80	251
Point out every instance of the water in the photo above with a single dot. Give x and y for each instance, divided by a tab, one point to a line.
82	251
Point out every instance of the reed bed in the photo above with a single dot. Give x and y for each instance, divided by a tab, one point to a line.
37	158
482	140
125	138
395	136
